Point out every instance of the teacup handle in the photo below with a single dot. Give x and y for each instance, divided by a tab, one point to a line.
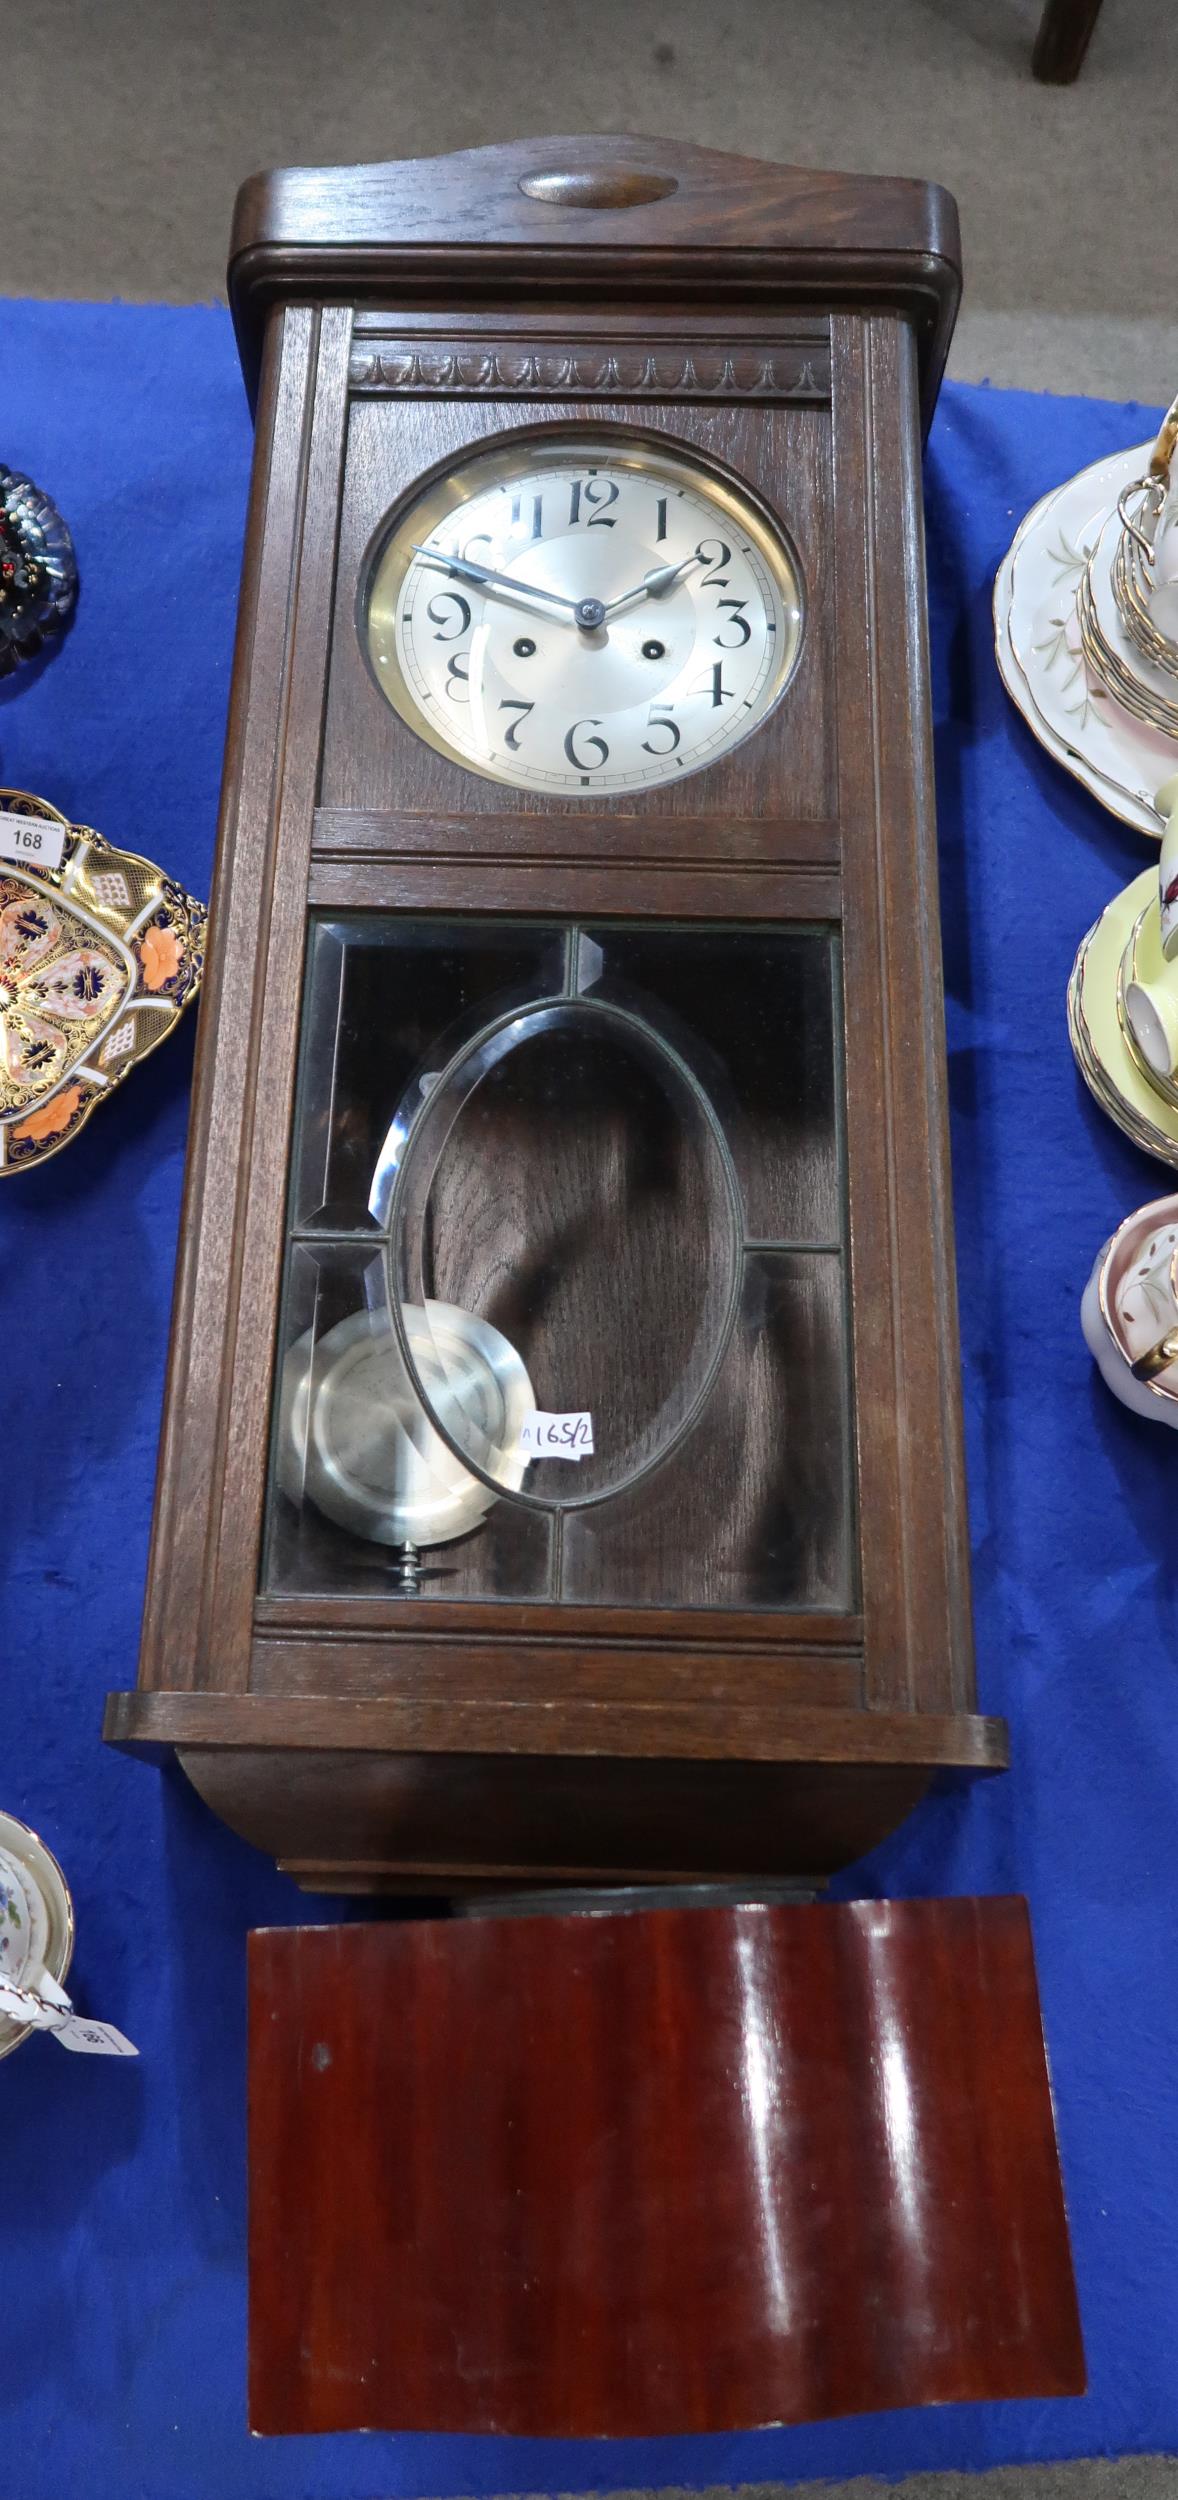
1166	802
38	2001
1166	444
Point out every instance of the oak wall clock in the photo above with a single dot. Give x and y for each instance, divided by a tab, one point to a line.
561	1472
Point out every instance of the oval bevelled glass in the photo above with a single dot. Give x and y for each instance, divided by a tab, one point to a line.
565	1183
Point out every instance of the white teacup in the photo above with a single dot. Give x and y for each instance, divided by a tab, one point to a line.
1128	1307
24	1924
36	1925
1151	1008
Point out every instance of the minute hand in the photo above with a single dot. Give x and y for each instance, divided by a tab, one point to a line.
654	585
471	572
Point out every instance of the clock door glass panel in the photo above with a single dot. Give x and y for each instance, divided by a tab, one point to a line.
565	1300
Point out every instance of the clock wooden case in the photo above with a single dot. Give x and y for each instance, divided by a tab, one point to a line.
575	1051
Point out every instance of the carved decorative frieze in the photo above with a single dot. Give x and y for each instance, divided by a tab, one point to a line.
798	371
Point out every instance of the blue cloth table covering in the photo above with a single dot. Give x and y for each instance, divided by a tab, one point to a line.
122	2187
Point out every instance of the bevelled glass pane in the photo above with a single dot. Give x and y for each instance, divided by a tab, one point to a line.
565	1300
761	1010
379	998
755	1508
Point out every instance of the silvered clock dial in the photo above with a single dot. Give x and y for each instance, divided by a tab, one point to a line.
579	614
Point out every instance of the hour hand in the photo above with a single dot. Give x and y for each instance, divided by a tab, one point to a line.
654	585
484	575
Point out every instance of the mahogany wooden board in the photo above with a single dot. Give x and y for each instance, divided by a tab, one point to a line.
682	2169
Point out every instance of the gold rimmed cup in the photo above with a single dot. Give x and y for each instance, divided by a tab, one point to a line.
1141	1262
42	1876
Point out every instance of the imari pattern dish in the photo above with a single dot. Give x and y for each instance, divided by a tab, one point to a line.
1063	547
99	956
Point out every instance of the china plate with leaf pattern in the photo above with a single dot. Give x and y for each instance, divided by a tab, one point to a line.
1119	759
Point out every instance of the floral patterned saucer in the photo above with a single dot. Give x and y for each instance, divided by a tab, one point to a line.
99	955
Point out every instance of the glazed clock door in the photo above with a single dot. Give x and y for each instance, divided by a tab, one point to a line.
565	1311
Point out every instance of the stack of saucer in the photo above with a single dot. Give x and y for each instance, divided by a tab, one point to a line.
1130	1308
1094	672
1119	980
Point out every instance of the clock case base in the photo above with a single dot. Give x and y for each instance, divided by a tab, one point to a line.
764	314
348	1798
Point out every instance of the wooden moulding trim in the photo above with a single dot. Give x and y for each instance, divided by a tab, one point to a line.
436	1620
613	325
573	368
859	282
343	836
607	1674
282	829
417	1876
186	1481
690	1731
914	1533
703	891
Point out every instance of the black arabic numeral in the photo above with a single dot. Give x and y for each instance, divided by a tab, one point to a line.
581	763
457	675
437	613
715	686
512	703
659	717
744	631
601	491
517	514
712	551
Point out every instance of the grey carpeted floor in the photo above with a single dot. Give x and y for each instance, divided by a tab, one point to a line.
1101	2478
129	126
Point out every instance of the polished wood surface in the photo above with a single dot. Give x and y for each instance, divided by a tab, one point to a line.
606	217
687	2169
786	324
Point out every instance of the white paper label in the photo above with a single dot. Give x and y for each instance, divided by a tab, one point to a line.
557	1436
93	2039
31	840
47	2008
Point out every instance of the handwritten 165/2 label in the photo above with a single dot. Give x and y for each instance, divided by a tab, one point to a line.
32	841
556	1436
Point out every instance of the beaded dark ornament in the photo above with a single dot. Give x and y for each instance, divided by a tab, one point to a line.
38	570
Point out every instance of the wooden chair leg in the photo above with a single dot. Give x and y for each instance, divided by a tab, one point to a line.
1065	31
